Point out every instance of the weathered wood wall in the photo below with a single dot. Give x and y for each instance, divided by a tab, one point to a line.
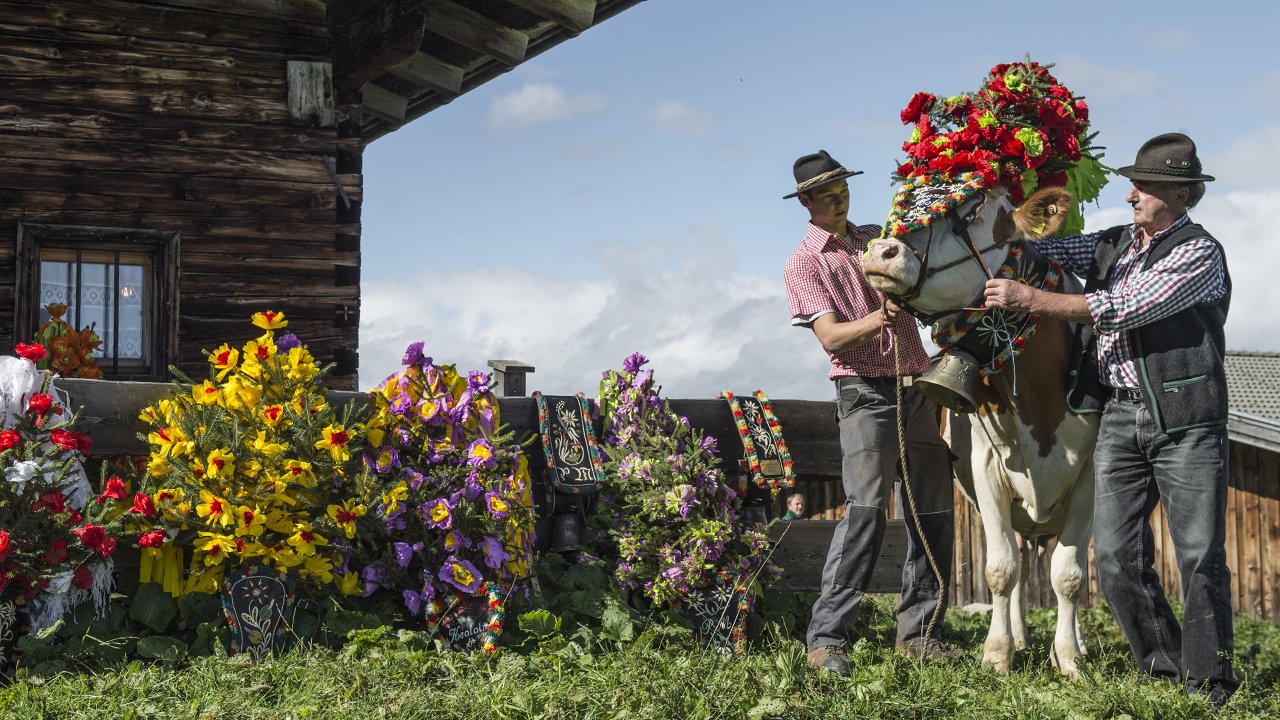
1253	514
175	115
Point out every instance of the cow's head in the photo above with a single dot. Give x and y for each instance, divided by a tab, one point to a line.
953	278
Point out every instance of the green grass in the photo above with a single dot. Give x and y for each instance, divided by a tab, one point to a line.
662	673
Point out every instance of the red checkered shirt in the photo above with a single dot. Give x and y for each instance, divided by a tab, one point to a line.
824	275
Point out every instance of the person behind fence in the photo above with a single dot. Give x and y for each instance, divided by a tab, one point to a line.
1149	357
859	330
795	508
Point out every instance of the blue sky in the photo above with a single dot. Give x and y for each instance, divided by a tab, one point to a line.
622	191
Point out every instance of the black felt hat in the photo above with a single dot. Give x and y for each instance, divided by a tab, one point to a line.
1166	158
817	170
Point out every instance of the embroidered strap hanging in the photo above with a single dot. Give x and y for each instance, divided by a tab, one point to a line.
574	464
768	460
468	622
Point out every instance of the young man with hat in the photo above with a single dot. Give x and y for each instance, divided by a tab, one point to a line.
870	343
1149	357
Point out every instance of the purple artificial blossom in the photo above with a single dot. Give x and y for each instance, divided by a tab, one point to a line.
387	460
494	554
633	362
428	589
708	444
681	499
455	570
497	505
480	454
478	382
287	342
412	601
413	477
374	578
402	404
396	521
404	552
413	354
473	489
454	540
438	514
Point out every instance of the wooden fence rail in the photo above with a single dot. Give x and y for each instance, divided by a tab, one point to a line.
110	417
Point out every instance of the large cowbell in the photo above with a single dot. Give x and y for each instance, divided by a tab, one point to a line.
950	381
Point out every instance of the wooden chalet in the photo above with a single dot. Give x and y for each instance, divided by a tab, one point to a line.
172	166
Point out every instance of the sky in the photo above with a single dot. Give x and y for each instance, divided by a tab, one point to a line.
622	192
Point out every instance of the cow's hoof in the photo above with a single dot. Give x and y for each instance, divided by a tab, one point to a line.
1068	669
1002	665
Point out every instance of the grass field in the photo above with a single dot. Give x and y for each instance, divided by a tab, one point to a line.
646	671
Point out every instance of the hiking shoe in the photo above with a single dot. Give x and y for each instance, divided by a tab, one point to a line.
830	658
927	649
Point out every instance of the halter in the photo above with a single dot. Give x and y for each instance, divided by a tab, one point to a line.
960	228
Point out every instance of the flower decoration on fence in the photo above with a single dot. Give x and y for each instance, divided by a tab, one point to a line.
243	468
1021	130
672	519
54	551
70	350
445	507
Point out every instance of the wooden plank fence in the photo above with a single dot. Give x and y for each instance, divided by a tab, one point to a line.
110	411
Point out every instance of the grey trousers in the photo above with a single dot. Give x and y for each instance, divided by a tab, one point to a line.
867	413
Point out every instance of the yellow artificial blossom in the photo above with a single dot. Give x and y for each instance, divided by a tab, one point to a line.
394	496
158	466
304	540
1032	140
266	446
214	508
299	471
221	464
269	320
335	439
345	515
206	393
349	584
214	548
987	119
170	441
224	360
319	567
273	415
250	521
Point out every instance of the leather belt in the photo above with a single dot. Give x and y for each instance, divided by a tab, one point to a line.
1132	395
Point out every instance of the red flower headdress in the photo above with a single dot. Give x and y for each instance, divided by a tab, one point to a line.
1021	130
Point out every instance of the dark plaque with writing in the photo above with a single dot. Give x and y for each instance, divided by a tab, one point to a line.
573	458
463	626
718	614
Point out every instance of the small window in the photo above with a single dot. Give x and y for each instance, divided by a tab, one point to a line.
119	281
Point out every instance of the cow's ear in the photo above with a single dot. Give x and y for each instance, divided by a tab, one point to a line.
1043	213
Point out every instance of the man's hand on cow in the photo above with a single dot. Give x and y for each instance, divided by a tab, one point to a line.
1008	295
891	310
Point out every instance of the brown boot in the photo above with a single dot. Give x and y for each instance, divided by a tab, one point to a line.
927	649
830	658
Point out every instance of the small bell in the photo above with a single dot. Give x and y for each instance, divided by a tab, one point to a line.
566	532
950	381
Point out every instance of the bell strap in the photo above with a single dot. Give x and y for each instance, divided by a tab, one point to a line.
574	463
769	462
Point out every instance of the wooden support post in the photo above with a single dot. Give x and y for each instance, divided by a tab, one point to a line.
385	104
431	72
473	30
509	377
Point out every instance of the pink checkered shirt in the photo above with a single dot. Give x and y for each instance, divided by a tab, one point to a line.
824	275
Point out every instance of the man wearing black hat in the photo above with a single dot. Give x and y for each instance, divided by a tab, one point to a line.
1149	357
870	344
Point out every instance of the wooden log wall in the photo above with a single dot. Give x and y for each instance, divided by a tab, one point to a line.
175	115
110	411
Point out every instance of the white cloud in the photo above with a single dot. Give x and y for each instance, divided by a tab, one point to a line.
1248	162
1098	82
675	116
537	103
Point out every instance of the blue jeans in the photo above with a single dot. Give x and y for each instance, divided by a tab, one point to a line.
867	412
1137	467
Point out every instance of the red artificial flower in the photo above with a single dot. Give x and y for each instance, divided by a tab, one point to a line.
1057	116
1082	111
54	502
115	490
91	536
4	548
56	554
1060	92
40	403
153	539
34	352
921	103
9	439
108	547
82	578
63	438
73	516
84	443
143	504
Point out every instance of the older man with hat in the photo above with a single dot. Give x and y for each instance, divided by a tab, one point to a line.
872	346
1149	357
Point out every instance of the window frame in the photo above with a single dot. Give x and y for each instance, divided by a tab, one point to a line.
162	245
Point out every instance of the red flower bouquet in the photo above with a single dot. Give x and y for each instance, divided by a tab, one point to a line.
1021	130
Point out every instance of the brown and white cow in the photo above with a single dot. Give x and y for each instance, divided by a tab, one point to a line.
1025	459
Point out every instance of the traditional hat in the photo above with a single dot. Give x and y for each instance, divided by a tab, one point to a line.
1166	158
816	170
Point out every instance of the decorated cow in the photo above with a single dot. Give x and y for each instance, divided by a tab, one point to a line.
971	205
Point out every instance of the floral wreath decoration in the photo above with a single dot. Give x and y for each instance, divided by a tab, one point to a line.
774	485
437	609
1022	130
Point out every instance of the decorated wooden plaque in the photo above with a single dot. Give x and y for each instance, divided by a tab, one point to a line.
257	605
718	614
574	464
765	453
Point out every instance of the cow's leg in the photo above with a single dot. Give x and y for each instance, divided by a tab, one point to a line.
1070	571
1018	600
1002	576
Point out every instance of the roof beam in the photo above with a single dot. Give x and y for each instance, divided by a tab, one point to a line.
385	104
473	30
370	36
576	15
431	72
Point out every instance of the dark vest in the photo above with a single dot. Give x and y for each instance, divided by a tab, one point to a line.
1180	358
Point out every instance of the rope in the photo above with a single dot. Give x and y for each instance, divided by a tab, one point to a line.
911	501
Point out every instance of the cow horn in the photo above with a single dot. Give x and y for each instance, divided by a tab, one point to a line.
950	381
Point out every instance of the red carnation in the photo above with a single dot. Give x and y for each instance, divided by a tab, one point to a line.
4	548
84	443
40	403
54	501
115	490
1058	179
152	539
34	352
63	438
82	578
143	504
9	439
91	536
56	554
1082	111
921	103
